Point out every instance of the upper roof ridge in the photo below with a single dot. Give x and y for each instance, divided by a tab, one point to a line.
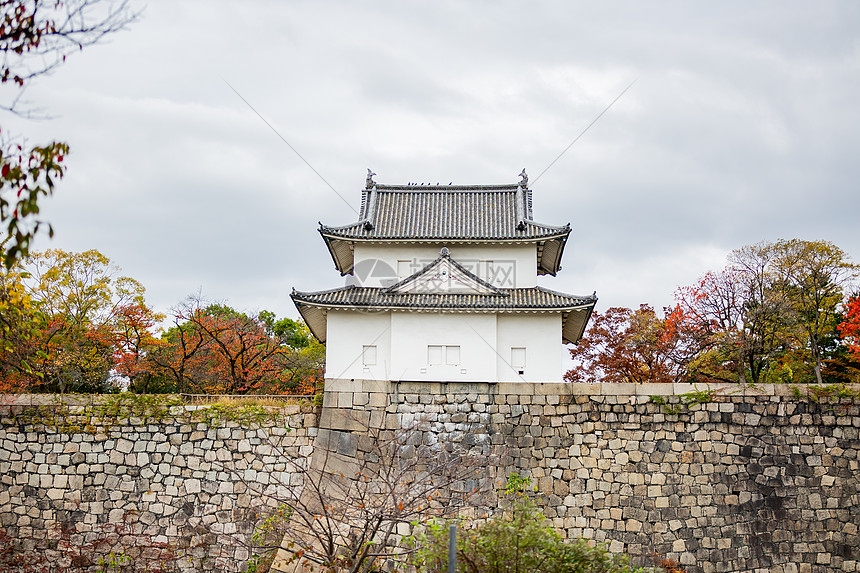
450	187
415	212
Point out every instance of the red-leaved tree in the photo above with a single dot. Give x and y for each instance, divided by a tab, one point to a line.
849	328
624	345
215	349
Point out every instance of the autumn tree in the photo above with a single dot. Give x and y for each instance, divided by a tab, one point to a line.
624	345
812	274
739	315
16	330
133	338
213	348
84	318
36	36
849	328
771	314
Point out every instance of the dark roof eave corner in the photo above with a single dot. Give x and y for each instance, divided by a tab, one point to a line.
554	266
301	307
329	240
589	312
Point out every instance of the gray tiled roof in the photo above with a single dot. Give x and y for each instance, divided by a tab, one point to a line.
444	213
510	300
575	310
474	212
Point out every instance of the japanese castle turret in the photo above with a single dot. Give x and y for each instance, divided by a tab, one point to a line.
442	287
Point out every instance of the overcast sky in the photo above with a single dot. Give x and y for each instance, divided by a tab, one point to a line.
743	125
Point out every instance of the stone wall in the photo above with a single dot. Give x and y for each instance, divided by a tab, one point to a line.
175	489
752	480
742	480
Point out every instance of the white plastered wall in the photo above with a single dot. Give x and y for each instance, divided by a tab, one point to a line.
484	343
348	331
540	335
413	332
514	266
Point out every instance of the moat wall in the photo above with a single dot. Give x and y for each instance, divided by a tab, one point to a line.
756	480
75	491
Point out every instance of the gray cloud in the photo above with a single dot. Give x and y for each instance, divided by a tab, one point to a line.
742	127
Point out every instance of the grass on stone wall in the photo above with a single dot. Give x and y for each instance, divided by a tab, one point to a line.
685	400
815	392
92	414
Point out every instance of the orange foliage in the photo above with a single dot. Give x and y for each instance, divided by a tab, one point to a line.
623	345
668	565
849	328
215	349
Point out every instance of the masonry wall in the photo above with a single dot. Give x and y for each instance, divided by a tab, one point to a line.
177	489
757	480
754	480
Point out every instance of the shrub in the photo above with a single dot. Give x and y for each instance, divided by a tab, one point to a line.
520	540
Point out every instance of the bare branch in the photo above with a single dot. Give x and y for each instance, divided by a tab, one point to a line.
36	36
349	504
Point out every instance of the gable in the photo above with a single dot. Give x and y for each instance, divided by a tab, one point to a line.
444	276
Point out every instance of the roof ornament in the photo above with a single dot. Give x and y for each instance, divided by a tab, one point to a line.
370	182
525	178
444	252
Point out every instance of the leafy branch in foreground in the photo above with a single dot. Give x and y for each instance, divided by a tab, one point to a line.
35	37
25	177
519	539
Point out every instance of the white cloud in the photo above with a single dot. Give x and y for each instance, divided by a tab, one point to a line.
741	127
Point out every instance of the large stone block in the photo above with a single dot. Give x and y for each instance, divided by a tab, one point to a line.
344	419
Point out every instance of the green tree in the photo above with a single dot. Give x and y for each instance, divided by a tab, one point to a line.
772	314
518	540
813	274
739	316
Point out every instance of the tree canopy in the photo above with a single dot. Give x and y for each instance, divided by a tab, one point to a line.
72	322
212	348
778	312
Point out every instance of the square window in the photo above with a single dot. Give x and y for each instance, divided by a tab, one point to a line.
518	358
489	272
368	355
434	355
404	269
452	355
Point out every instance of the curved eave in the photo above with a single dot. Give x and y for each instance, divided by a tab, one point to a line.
549	255
555	233
342	251
573	324
315	317
315	314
